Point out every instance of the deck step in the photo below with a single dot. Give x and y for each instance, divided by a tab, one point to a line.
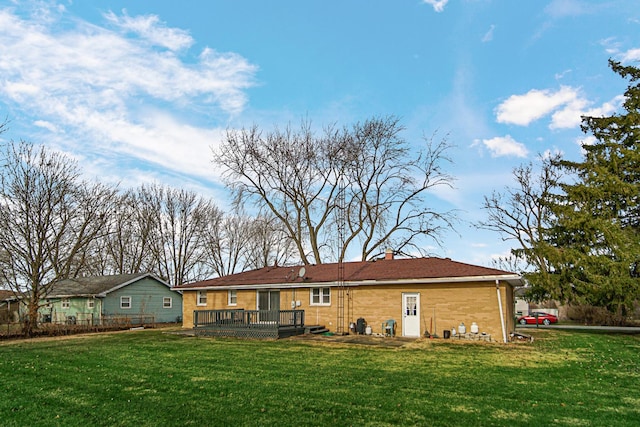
316	329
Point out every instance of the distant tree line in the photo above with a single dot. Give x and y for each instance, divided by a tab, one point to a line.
577	224
55	225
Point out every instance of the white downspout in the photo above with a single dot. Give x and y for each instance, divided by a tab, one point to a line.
504	331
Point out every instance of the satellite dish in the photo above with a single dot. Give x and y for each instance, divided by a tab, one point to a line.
301	272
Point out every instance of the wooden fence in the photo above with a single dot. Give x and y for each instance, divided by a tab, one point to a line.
73	325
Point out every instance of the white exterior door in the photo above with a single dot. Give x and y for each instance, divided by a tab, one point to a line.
411	314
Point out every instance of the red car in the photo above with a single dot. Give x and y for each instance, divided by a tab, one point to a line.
543	318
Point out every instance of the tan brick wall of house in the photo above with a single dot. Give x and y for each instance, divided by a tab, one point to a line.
188	305
215	300
442	306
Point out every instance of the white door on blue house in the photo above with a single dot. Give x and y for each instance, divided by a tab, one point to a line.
411	314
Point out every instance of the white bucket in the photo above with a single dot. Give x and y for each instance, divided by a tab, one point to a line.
474	328
367	330
462	329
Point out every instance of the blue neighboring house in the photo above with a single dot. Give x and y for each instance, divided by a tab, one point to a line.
96	299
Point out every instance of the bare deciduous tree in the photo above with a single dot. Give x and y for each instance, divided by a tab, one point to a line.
177	240
387	186
48	218
239	242
289	174
268	244
521	213
125	249
367	170
226	242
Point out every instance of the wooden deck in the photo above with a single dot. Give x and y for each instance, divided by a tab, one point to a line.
263	324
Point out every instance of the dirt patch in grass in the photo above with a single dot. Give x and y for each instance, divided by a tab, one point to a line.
366	340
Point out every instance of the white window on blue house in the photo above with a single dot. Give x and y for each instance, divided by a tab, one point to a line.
320	296
232	297
202	298
65	303
167	302
125	302
91	303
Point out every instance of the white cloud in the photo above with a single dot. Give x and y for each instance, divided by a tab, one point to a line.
631	55
47	125
559	76
162	140
451	195
562	8
20	90
501	146
109	91
438	5
488	36
566	106
571	115
524	109
550	152
149	27
613	47
586	140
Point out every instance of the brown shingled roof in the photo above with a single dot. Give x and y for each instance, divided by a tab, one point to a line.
379	270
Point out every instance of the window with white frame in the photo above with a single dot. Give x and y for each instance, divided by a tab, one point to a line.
167	302
202	298
320	296
232	297
125	302
91	303
65	303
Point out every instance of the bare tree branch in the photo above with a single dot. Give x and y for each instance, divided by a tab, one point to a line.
301	177
520	213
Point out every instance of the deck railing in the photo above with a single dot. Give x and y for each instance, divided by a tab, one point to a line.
242	319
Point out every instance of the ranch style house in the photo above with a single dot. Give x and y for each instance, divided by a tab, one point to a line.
411	297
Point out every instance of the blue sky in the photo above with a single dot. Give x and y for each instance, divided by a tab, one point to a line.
142	91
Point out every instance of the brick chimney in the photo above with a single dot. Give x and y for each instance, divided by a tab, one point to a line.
388	255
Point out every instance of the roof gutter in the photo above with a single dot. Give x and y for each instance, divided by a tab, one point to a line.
512	279
74	296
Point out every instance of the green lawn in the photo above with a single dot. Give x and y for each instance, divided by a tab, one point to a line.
151	378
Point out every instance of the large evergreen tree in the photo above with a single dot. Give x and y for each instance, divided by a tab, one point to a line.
593	246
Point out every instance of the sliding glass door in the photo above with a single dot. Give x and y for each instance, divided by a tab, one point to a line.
269	305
